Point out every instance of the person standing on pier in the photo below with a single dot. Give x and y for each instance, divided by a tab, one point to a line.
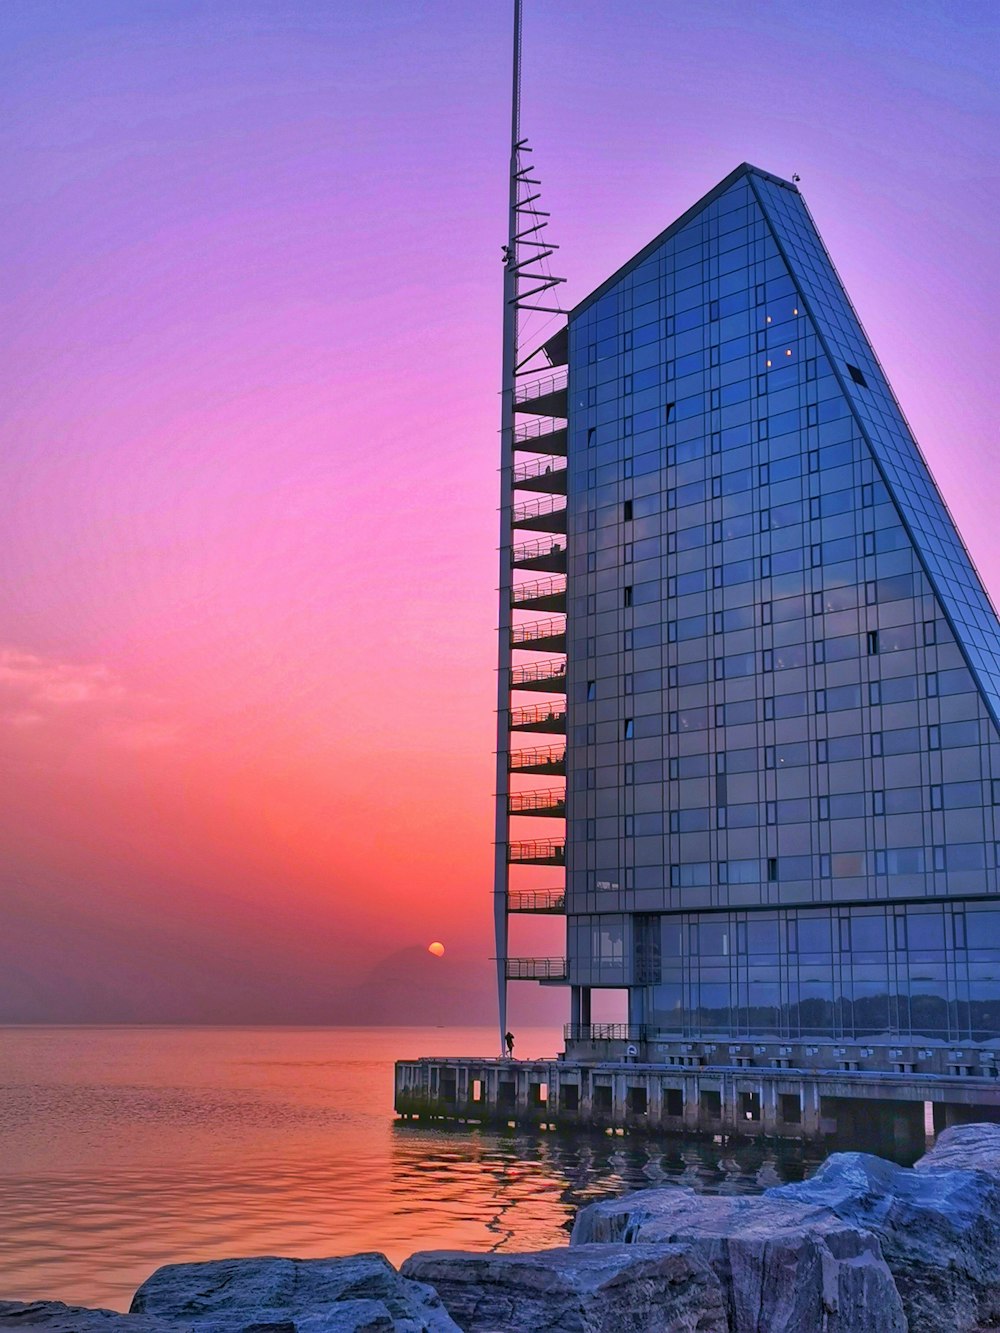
509	1042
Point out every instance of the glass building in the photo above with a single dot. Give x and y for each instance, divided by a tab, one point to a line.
782	671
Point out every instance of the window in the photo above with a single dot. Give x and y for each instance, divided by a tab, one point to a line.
627	683
628	729
771	812
823	807
874	692
628	774
822	752
811	368
930	635
872	641
765	520
627	640
856	375
769	708
867	494
627	595
813	460
626	384
669	411
934	737
765	613
878	802
627	426
713	310
824	865
591	689
772	869
819	651
627	553
816	555
763	474
591	437
591	519
876	739
627	511
716	442
937	796
932	684
821	701
768	756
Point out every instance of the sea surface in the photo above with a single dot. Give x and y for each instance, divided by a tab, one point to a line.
125	1148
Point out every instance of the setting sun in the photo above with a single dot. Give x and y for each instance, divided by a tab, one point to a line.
437	949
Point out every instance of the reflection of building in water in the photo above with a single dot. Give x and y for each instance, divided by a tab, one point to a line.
782	697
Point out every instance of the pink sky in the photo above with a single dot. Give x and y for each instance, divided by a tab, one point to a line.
251	287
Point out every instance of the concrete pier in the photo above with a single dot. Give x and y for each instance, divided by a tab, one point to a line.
646	1098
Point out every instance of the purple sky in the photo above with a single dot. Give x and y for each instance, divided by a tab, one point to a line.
251	279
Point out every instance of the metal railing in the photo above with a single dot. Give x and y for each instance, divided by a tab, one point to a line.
551	798
536	969
537	900
549	851
553	586
533	713
532	631
540	757
529	389
544	466
538	549
530	430
540	507
606	1032
552	669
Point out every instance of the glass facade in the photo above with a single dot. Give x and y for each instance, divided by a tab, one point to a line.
783	758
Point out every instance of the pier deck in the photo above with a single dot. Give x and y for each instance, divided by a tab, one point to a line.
645	1098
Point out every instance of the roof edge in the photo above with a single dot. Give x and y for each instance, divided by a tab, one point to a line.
744	169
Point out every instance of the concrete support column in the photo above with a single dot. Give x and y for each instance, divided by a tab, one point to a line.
811	1127
692	1102
769	1106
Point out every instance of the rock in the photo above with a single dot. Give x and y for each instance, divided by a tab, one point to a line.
60	1318
964	1148
585	1289
939	1230
362	1292
784	1267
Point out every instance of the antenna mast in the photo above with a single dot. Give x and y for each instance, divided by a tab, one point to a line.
526	277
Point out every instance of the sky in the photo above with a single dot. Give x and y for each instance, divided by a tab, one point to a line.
251	289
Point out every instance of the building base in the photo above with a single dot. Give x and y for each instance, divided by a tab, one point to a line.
809	1104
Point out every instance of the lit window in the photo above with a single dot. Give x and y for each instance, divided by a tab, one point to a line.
788	351
768	363
795	311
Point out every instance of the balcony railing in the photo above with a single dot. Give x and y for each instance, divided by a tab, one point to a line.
540	551
551	801
540	388
540	675
539	717
544	852
535	512
544	435
539	635
550	902
549	470
543	759
606	1032
536	969
539	590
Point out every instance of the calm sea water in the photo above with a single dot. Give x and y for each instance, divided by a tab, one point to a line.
125	1148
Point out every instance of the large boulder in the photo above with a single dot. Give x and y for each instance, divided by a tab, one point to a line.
585	1289
784	1267
964	1148
939	1232
362	1292
59	1318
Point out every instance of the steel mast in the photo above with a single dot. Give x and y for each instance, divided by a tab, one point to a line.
525	223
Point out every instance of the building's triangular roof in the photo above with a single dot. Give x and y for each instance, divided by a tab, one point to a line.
922	510
935	540
744	169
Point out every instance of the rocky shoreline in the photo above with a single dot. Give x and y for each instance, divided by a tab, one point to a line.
864	1246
